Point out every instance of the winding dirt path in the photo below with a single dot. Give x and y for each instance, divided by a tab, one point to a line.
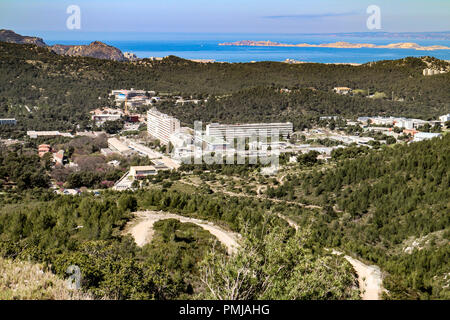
142	231
369	277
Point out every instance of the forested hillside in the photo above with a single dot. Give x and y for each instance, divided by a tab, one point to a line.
300	106
37	225
390	207
85	231
60	90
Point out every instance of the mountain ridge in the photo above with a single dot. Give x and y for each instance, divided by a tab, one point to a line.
96	49
12	37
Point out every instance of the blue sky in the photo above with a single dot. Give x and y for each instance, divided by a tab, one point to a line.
225	16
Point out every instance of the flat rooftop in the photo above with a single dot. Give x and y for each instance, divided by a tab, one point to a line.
143	168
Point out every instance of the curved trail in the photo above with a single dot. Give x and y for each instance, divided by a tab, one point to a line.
369	277
142	232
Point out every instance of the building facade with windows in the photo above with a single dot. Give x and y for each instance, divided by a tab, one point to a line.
161	126
231	131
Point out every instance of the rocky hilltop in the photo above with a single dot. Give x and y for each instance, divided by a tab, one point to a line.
342	45
12	37
96	49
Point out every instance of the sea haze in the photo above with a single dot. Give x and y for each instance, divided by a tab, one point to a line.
206	46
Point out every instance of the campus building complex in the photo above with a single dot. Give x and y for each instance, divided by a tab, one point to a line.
100	116
161	126
393	121
231	131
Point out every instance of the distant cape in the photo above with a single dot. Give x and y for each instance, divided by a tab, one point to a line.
340	45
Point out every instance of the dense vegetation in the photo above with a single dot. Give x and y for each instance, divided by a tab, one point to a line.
86	231
300	106
280	267
388	206
23	170
391	208
53	88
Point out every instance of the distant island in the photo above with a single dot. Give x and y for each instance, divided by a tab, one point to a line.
340	45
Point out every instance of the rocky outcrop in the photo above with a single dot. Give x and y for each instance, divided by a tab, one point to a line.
96	49
12	37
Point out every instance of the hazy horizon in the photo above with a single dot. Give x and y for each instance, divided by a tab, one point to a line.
136	35
233	16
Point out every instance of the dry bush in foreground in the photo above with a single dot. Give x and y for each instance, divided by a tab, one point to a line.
27	281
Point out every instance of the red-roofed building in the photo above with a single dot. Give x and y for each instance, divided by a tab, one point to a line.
43	149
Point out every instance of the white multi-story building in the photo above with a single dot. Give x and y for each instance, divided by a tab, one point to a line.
161	126
410	123
231	131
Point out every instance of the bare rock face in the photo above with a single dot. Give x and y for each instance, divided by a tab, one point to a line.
96	49
12	37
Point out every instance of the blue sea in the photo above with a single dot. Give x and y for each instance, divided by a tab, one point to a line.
206	46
